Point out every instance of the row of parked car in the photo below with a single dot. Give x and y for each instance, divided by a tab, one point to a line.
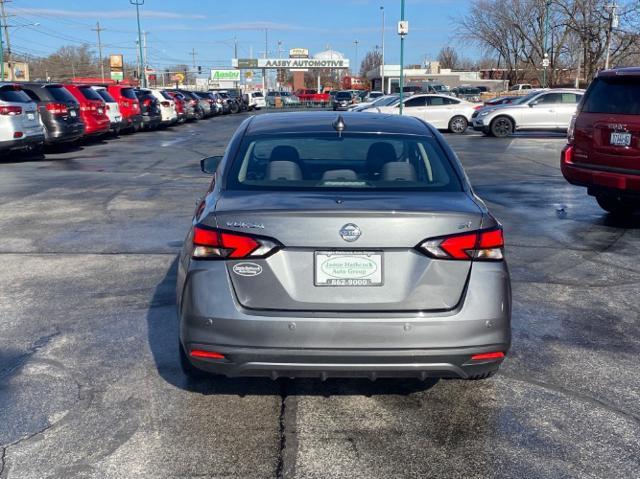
33	114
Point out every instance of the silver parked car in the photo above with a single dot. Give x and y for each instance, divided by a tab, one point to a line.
539	110
20	125
342	245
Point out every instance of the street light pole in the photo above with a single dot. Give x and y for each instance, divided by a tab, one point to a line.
357	72
402	35
142	73
382	59
545	55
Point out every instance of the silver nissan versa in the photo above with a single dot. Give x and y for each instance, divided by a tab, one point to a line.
342	245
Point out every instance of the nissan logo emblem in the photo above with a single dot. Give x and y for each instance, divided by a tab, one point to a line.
350	232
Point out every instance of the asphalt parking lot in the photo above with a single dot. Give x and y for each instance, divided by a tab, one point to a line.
90	385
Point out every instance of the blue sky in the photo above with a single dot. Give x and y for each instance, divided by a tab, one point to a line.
210	26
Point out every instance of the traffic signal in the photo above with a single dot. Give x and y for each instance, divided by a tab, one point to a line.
199	69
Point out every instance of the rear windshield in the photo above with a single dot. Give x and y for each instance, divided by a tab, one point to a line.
257	94
166	95
343	95
16	96
129	93
60	93
353	162
90	94
613	95
105	96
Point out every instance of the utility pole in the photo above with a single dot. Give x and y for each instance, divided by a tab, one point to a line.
145	62
193	57
98	29
403	29
545	55
356	65
613	23
143	77
382	59
6	54
266	54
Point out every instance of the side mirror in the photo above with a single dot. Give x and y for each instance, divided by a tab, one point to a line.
533	103
210	165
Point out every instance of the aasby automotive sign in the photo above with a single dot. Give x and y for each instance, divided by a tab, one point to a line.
225	75
301	63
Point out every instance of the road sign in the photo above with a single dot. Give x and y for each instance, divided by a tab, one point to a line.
546	62
403	27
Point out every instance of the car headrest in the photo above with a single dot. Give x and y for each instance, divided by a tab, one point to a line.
285	153
399	171
344	175
379	153
283	171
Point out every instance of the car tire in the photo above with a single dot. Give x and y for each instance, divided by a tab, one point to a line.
617	205
189	369
502	127
458	124
235	108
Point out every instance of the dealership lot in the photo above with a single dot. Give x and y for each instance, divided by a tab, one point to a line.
90	384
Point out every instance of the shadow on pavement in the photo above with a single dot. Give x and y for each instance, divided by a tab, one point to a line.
163	329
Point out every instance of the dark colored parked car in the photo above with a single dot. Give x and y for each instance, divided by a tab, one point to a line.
229	102
149	108
342	100
603	152
192	103
404	276
92	109
59	111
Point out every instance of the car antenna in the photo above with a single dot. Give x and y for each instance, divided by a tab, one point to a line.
339	125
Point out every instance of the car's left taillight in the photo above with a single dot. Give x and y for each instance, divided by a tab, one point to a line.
481	245
212	243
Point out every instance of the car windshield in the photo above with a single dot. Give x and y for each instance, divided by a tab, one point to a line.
617	95
105	95
439	88
351	162
14	95
129	93
285	93
60	93
343	95
89	93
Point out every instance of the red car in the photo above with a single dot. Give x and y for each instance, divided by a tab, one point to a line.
603	153
93	111
126	97
180	105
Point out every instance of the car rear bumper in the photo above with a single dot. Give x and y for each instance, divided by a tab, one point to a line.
597	177
20	143
61	133
322	344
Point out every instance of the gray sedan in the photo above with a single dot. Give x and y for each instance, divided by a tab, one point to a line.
342	245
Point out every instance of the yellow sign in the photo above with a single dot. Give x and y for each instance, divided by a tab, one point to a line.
115	62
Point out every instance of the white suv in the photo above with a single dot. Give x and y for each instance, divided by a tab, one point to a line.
539	110
442	111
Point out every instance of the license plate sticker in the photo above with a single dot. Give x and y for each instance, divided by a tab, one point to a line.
620	139
348	268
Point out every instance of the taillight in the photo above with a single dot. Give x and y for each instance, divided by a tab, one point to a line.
125	104
567	154
107	107
165	103
57	108
483	245
147	102
210	243
10	110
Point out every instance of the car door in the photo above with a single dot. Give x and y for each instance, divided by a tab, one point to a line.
566	109
541	113
437	111
415	106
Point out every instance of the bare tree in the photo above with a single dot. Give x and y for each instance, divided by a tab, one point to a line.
448	58
371	60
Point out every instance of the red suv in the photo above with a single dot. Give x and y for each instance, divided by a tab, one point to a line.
603	153
92	109
129	106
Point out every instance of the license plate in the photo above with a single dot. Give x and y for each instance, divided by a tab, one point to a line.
348	268
620	139
72	113
31	116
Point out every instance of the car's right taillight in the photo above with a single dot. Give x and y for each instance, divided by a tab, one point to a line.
481	245
212	243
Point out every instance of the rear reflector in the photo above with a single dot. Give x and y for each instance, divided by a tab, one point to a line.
18	134
484	356
199	353
485	245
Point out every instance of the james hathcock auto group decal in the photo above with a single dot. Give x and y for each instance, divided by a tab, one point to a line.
301	63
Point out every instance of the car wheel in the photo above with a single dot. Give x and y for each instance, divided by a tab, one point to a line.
502	127
189	369
458	124
617	205
235	108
